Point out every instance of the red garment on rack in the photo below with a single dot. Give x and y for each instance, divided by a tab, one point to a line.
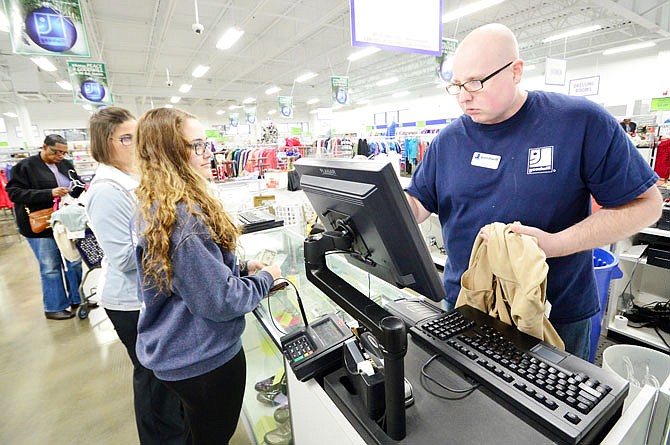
662	165
5	203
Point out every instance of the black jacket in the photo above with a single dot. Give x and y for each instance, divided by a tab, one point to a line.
30	186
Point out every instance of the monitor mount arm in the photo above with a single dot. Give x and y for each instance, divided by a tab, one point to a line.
388	329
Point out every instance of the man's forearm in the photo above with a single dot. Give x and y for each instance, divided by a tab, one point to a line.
609	225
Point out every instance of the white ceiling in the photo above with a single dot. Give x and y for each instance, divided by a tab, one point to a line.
139	39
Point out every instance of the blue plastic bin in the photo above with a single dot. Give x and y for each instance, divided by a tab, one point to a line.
606	267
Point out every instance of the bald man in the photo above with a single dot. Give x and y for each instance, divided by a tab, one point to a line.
533	157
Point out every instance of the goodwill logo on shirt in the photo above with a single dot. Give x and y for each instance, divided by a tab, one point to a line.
540	160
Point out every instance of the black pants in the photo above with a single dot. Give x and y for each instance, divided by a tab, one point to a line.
158	410
212	401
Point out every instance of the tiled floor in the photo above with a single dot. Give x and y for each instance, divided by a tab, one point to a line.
61	382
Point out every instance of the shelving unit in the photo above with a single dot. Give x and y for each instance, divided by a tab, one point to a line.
80	152
646	283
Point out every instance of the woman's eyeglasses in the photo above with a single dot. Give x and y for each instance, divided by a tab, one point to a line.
199	147
126	140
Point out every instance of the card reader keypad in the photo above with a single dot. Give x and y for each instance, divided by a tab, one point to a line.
299	349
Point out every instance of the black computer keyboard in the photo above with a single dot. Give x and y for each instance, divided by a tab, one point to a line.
569	398
257	219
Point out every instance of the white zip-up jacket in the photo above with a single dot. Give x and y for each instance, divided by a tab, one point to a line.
111	213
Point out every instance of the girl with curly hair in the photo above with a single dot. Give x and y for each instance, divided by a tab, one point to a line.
194	299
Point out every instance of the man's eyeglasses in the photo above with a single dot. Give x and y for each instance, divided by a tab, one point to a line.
199	147
473	85
126	140
57	152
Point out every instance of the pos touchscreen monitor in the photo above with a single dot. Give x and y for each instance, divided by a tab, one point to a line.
366	197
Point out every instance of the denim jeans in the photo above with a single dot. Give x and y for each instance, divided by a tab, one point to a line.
576	335
52	269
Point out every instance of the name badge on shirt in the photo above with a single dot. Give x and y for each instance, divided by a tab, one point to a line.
485	160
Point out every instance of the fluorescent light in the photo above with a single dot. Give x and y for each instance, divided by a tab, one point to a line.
43	63
312	101
185	88
469	9
633	47
168	106
572	33
87	107
200	71
305	77
388	81
529	67
235	107
64	84
175	99
363	53
220	112
10	114
272	90
313	111
400	94
229	38
249	100
273	111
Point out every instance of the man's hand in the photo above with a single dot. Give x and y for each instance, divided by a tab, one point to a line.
546	241
60	191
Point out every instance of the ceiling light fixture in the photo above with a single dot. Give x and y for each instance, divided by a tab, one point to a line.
273	111
633	47
401	94
168	106
200	71
572	33
185	88
313	111
234	107
10	114
229	38
220	112
312	101
388	81
529	67
43	63
64	84
175	99
363	53
305	77
272	90
249	100
469	9
87	107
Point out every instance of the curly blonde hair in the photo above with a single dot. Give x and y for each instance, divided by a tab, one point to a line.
166	179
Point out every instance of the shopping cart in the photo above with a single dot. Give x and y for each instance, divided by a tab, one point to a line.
91	254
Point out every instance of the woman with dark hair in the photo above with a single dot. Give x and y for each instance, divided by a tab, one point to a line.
190	328
111	210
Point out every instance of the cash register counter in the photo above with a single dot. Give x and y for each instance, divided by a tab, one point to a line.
319	412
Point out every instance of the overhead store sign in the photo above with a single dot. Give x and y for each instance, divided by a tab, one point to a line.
47	28
445	61
285	106
89	83
586	86
398	25
339	86
555	71
660	104
250	113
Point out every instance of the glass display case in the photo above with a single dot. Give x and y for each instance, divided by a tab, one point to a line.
278	314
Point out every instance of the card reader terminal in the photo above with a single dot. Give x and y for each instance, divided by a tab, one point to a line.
316	348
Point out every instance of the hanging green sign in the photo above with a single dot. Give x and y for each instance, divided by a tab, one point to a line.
339	86
47	28
250	113
89	83
660	104
285	106
444	61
